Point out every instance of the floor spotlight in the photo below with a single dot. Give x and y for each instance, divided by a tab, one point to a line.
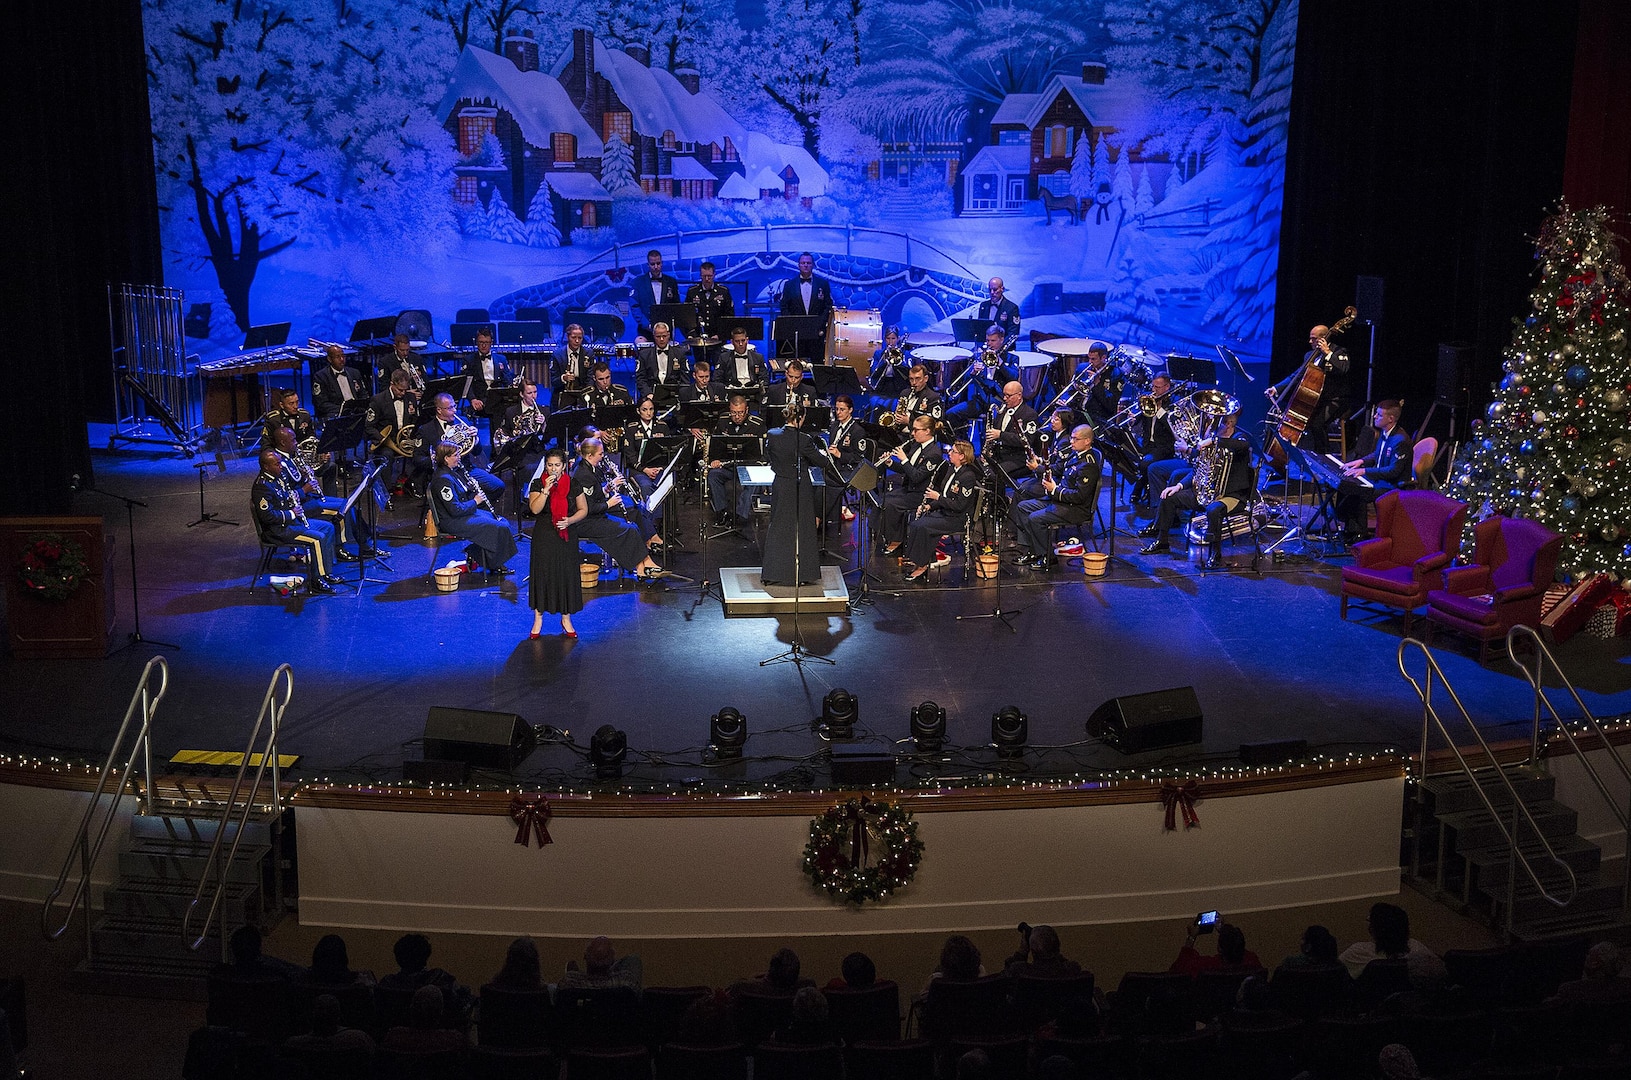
727	731
839	710
1009	730
928	727
607	749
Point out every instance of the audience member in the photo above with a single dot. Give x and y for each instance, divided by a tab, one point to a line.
974	1065
1039	955
521	970
249	963
327	1034
602	967
1390	938
1254	1006
1057	1067
959	959
412	952
1232	954
1600	979
1317	950
781	977
856	972
424	1033
1396	1062
707	1022
330	966
808	1025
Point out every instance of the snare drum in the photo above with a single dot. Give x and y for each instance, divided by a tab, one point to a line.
945	363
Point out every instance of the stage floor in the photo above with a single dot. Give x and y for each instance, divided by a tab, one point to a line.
1267	654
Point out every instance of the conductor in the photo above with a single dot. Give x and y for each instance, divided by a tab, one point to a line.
791	537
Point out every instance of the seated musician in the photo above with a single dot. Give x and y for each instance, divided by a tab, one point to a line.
913	463
1070	492
612	535
282	519
402	357
1052	448
1333	362
1008	434
662	364
630	507
526	418
639	464
464	510
993	367
944	509
302	479
286	412
570	367
888	372
1387	464
1223	466
1101	385
391	424
446	425
336	384
701	387
1163	464
486	370
740	364
848	447
603	393
722	478
919	400
794	389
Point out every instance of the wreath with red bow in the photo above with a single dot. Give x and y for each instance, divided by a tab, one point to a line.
53	567
862	850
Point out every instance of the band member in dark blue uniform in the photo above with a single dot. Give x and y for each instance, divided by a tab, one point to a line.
462	509
946	504
282	519
1068	497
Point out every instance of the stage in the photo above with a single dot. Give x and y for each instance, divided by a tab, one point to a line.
1266	653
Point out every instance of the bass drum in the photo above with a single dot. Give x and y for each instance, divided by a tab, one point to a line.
853	336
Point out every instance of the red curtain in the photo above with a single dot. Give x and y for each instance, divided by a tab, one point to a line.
1597	165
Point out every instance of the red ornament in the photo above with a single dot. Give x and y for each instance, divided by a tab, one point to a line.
1571	432
1524	390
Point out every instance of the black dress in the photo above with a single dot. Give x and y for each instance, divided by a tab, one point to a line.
792	509
556	584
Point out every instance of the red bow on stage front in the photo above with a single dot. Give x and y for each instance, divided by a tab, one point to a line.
531	817
1176	797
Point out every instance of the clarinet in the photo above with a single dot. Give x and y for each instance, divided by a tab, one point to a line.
934	485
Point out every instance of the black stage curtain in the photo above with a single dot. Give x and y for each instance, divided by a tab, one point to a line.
1426	147
79	211
1597	169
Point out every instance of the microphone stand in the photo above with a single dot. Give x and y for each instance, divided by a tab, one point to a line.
796	653
996	612
135	637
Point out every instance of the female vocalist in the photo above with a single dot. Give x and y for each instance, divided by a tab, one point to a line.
612	535
556	585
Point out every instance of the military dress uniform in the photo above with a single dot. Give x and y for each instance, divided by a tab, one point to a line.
491	544
299	421
1074	498
1004	313
849	439
912	480
596	400
1016	428
947	514
722	480
387	419
569	374
301	479
282	519
981	392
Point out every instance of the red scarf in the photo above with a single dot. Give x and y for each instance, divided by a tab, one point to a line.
559	502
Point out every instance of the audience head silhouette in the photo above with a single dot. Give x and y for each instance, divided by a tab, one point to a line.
521	970
959	958
783	973
858	970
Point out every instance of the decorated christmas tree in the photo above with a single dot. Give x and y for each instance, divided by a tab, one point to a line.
1556	447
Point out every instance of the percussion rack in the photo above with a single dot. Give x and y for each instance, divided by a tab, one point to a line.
154	396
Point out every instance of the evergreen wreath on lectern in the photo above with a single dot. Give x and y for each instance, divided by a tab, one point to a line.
53	567
862	850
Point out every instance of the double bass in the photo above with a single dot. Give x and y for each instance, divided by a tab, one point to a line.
1297	410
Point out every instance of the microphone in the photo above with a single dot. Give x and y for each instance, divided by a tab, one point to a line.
73	482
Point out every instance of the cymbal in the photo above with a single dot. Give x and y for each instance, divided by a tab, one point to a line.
940	354
705	339
1067	346
928	337
1136	355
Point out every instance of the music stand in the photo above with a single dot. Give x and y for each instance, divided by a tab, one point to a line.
970	330
209	517
511	457
864	481
615	415
455	386
366	484
1200	370
267	336
800	336
663	487
341	434
833	379
596	326
753	324
680	317
501	399
374	331
564	424
996	514
462	335
523	333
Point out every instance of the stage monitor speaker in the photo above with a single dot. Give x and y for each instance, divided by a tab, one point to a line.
1455	360
1368	298
487	740
861	768
1153	721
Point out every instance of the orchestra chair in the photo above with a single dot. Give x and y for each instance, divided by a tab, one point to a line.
1417	533
626	1063
1380	980
662	1008
676	1061
772	1061
1039	999
270	549
1342	1047
1214	992
757	1014
510	1063
513	1019
905	1059
1262	1050
1484	975
597	1016
356	1004
330	1063
420	1065
866	1014
967	1009
257	1007
1514	560
1309	992
1097	1057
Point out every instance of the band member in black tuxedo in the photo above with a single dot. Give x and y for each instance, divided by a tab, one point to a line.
392	424
612	535
1226	458
570	368
792	549
807	294
794	389
1386	464
446	425
281	518
947	502
526	418
999	310
663	364
722	472
336	384
702	386
1070	492
848	447
300	477
486	369
463	509
912	463
713	303
402	356
1163	464
650	289
1321	353
993	367
1008	435
919	400
739	364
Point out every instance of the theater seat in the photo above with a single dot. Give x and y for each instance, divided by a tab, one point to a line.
1417	534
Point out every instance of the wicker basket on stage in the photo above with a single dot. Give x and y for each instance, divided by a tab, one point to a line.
591	574
447	579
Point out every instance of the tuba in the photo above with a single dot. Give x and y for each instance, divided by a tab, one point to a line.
1211	461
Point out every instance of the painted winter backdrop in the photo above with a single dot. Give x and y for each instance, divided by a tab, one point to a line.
1119	164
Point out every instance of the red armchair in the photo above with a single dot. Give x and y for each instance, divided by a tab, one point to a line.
1417	533
1514	561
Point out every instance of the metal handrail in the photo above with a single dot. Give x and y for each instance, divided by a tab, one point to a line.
273	709
88	852
1515	857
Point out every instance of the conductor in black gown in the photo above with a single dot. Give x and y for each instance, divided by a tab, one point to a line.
791	536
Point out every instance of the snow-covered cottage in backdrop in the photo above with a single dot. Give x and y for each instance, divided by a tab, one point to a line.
603	121
1034	138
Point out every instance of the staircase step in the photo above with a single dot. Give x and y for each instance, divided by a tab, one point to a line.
131	977
1456	793
181	861
168	899
179	828
133	936
1598	924
1477	829
1490	864
1593	894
